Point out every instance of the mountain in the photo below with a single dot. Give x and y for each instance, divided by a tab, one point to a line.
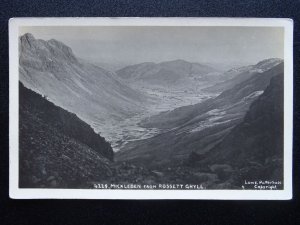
197	128
56	148
238	75
259	137
255	146
97	96
177	73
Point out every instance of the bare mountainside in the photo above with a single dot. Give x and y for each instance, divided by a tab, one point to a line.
97	96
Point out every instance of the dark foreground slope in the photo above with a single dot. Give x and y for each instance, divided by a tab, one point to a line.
57	149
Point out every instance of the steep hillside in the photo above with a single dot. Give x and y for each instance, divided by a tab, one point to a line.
259	138
238	75
97	96
253	150
57	149
197	128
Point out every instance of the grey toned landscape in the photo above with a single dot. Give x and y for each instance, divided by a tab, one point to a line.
151	106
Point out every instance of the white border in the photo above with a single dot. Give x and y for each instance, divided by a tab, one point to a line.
19	193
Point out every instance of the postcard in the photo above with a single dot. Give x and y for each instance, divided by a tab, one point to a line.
151	108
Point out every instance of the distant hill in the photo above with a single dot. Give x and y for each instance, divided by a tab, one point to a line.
177	73
57	149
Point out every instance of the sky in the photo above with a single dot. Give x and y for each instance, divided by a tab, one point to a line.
131	45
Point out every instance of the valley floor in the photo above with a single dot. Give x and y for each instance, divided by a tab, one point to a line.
121	132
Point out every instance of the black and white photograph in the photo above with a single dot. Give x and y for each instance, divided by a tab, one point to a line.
147	108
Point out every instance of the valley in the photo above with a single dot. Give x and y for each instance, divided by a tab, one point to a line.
113	106
151	122
120	133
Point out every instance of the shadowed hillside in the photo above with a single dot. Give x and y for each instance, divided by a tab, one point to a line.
256	144
57	149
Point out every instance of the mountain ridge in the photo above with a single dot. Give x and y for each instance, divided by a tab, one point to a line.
238	75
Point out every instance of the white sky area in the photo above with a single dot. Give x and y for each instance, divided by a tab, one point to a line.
131	45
